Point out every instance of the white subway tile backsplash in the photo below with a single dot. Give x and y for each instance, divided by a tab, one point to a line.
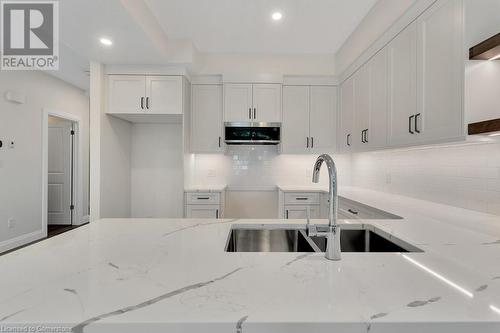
466	176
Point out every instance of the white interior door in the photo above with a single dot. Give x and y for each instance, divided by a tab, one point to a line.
267	102
295	119
60	145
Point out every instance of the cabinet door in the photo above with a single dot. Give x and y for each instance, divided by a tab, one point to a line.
267	102
346	115
202	212
361	107
440	72
402	87
377	132
126	93
238	102
206	119
295	136
323	118
300	212
164	94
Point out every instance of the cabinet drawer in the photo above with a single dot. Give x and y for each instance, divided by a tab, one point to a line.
301	198
203	198
300	212
202	212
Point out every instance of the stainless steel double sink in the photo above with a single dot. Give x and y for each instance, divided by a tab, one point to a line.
276	238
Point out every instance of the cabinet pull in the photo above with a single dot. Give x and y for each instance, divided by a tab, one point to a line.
217	214
219	141
147	103
409	124
301	198
352	211
142	103
366	135
307	142
416	122
249	113
363	136
312	142
254	113
348	140
286	214
203	198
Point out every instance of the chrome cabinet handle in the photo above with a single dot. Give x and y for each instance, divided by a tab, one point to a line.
363	136
147	103
348	140
254	113
312	142
142	103
307	142
416	122
409	124
249	113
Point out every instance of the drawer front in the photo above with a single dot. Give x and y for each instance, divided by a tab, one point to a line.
202	198
353	211
302	198
203	212
300	212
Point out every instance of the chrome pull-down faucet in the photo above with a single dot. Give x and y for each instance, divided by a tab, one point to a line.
332	233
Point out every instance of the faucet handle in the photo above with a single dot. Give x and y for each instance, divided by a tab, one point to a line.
308	215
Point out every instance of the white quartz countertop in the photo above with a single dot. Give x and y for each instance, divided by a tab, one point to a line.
172	275
303	188
206	188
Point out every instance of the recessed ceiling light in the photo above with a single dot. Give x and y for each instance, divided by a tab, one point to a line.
277	16
106	41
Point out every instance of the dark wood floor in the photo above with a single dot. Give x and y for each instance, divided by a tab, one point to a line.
54	229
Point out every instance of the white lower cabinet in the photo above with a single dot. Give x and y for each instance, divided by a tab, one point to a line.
301	212
204	205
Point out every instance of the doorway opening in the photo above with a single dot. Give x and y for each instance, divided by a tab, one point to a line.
62	193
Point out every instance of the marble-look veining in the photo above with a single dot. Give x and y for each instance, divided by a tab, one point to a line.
173	275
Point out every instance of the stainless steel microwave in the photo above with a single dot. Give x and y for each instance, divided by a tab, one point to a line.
252	133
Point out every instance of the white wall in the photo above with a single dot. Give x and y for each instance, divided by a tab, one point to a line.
157	171
466	176
264	64
383	14
21	168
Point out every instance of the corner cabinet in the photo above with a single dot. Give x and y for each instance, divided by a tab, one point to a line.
141	94
206	118
309	115
246	102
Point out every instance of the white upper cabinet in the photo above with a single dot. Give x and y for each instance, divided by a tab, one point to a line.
440	73
140	94
164	94
295	128
376	135
238	102
252	102
323	118
127	93
267	102
309	119
206	119
402	87
362	106
346	118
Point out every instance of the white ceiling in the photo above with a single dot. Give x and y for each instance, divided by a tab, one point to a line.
245	26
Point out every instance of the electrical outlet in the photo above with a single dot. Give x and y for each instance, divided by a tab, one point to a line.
11	223
12	144
388	178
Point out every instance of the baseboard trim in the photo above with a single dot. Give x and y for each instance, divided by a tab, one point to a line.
22	240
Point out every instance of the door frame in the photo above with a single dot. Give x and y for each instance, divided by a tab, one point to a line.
77	186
